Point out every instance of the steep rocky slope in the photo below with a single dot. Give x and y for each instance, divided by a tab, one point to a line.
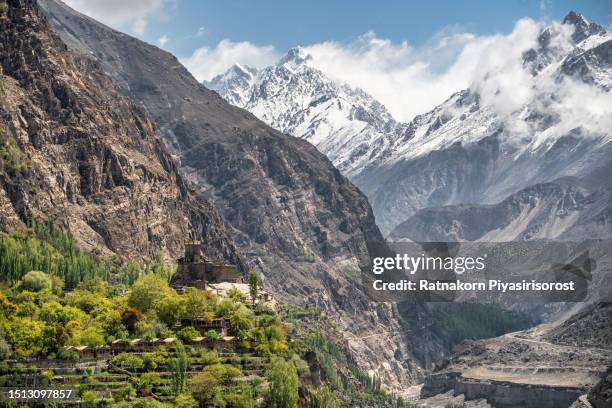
74	151
296	217
600	396
562	209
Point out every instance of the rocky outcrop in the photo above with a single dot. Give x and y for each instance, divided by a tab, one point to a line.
600	395
76	152
591	327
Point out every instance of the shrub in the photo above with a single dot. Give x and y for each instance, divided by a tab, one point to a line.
125	392
211	336
235	400
128	361
185	401
155	359
67	355
89	399
35	281
187	334
146	381
208	358
323	398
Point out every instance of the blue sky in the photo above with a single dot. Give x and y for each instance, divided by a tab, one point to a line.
391	48
189	24
285	23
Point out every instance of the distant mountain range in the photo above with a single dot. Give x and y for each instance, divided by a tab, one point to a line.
464	152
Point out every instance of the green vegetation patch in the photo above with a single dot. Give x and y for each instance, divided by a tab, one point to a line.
455	322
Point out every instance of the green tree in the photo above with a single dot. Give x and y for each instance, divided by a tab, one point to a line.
241	319
170	308
284	383
199	304
148	290
253	286
179	366
128	361
187	334
91	336
204	387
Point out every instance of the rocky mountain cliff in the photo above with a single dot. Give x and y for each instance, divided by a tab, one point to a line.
295	217
74	151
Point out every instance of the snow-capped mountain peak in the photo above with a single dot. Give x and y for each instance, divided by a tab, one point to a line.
234	83
583	28
345	123
295	56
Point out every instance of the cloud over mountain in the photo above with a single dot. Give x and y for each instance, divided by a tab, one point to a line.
206	62
134	14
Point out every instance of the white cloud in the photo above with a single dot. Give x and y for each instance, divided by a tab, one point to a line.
162	40
206	62
499	75
507	86
120	13
407	80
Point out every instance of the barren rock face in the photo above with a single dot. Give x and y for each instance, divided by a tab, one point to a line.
77	152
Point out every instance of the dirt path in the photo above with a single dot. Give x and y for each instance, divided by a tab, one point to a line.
514	336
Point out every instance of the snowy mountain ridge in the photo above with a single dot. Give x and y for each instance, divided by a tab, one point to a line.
543	114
